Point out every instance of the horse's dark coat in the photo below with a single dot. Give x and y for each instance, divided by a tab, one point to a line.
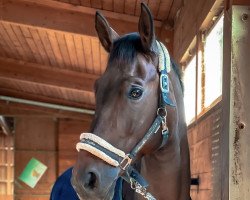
122	121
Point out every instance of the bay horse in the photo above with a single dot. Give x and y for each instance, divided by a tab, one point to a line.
139	117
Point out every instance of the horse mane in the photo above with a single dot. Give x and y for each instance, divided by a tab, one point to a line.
126	48
178	72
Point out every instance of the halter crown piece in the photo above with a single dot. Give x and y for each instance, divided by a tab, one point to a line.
118	158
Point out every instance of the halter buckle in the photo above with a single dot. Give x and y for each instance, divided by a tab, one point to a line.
125	162
164	83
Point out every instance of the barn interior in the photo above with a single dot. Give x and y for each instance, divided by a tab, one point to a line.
50	57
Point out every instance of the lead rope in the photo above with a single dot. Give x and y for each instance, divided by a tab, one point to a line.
140	189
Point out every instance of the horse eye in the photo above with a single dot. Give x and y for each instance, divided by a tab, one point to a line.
135	93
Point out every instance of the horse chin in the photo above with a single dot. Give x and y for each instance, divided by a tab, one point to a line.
108	196
83	195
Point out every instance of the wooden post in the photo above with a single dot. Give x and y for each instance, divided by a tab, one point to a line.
239	137
235	173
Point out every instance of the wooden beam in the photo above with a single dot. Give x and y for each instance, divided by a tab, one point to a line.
241	2
45	99
176	6
238	105
17	109
28	72
87	10
64	17
188	25
5	126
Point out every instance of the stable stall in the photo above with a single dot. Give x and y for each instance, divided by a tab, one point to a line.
50	58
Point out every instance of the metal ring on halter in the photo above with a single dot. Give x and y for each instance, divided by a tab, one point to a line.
162	112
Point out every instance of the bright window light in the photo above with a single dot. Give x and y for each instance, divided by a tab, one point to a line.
199	84
213	56
189	90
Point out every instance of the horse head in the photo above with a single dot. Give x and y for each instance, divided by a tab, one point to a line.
127	100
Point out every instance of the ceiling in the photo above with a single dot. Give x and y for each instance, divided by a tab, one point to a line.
49	51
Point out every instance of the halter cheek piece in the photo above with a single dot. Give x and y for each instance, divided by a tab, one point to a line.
116	157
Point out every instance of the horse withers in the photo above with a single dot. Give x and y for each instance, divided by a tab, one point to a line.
139	117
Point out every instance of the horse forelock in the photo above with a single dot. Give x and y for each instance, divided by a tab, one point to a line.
125	50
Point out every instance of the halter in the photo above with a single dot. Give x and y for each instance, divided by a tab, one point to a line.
118	158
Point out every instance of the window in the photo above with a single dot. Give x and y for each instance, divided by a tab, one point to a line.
203	90
200	83
189	90
213	54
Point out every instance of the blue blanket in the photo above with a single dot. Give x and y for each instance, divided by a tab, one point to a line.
63	190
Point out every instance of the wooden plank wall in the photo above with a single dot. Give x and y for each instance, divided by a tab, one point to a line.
204	141
204	135
68	135
35	137
52	141
6	166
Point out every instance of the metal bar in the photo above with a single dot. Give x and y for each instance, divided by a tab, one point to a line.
223	186
48	105
5	127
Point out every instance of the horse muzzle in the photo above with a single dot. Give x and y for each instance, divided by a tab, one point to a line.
93	179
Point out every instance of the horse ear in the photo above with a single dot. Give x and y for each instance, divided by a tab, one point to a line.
146	29
105	33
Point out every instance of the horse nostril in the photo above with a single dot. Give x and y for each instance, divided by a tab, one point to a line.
90	180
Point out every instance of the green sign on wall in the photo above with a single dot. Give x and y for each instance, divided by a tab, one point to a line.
33	172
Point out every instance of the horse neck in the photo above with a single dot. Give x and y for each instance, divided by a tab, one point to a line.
167	170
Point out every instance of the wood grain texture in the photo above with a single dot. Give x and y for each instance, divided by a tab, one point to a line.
59	37
119	6
174	10
194	16
80	52
47	76
6	166
8	43
96	4
96	57
15	41
31	43
241	2
47	47
64	17
39	46
79	100
164	9
85	3
108	5
17	109
68	135
53	48
204	144
32	141
154	7
130	7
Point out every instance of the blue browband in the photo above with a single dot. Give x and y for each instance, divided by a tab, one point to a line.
115	156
